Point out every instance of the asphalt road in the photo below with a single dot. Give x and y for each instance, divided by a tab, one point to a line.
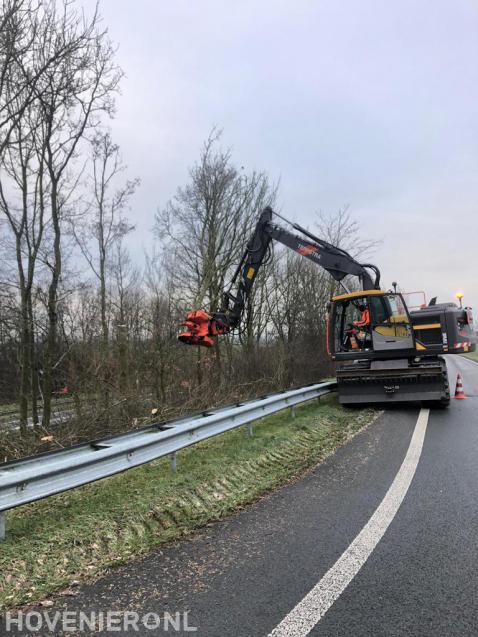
242	576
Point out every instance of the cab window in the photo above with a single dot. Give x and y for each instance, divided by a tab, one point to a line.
387	309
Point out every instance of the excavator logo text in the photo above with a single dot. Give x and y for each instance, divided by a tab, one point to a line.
307	249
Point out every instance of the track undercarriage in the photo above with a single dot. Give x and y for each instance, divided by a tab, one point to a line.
394	381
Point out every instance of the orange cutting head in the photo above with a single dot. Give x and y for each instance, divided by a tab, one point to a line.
200	329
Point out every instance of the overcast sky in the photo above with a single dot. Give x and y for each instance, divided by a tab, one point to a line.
372	104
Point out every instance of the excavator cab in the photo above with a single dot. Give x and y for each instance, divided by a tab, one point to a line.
369	324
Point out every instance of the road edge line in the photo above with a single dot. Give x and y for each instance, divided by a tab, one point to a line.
309	611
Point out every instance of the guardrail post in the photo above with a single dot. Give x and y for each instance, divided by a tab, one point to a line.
292	411
3	520
250	431
173	463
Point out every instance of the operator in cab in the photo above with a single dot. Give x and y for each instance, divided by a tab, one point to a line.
364	317
360	334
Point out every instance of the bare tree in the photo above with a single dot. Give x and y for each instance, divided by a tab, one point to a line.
206	222
17	76
126	311
23	64
105	222
162	320
342	230
204	226
99	233
72	96
21	202
57	77
297	296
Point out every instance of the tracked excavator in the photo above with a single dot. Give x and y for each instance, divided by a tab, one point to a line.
383	351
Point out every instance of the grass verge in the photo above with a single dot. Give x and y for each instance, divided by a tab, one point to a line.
472	355
80	533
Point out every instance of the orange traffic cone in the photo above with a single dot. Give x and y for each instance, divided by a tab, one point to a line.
459	393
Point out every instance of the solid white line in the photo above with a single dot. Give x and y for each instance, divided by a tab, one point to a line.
300	621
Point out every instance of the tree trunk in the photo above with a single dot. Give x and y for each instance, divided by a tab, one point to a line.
198	366
25	366
33	370
123	361
52	308
104	397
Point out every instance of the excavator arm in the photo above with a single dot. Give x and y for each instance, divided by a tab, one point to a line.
201	327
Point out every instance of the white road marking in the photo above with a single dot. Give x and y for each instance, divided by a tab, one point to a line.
308	612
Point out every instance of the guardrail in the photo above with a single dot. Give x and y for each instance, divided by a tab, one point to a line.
37	477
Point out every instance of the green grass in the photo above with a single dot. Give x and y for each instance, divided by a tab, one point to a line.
472	355
82	532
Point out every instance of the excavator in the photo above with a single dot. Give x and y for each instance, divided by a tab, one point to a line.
383	351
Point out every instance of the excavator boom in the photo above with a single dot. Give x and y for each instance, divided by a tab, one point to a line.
201	327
